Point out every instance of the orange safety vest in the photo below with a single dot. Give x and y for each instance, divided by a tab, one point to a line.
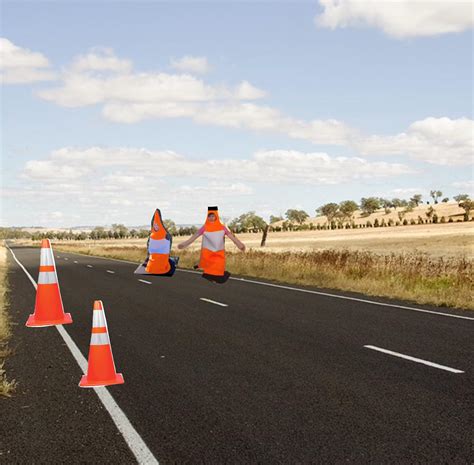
212	249
159	246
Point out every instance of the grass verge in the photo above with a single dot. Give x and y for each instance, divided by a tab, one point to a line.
6	387
415	276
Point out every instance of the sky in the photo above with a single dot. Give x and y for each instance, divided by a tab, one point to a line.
110	109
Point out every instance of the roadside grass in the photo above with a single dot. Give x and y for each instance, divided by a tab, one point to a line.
6	387
413	276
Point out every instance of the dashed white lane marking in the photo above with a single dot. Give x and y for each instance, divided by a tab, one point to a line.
414	359
57	256
110	271
89	266
65	258
213	302
310	291
132	438
75	261
143	281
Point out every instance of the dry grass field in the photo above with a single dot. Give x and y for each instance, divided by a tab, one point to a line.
6	387
437	240
428	264
442	240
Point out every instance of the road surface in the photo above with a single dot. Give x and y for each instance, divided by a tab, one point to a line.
238	373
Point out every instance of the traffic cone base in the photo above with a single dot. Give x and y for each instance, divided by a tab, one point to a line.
34	322
86	383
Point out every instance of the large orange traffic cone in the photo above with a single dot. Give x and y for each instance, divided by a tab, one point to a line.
49	309
101	367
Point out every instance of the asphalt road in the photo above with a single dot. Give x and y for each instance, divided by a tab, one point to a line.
276	376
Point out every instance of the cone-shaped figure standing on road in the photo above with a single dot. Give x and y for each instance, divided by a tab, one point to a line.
101	366
158	261
49	310
212	260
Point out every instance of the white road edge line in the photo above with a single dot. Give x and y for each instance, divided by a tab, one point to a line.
309	291
143	281
213	302
110	271
414	359
89	266
132	438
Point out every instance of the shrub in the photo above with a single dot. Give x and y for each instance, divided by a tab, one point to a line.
376	223
368	224
435	218
412	221
405	222
450	220
442	220
391	222
397	223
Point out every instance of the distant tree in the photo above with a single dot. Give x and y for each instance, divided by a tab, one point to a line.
119	231
329	210
98	232
398	203
386	205
445	200
429	213
467	205
416	199
461	197
275	219
170	225
369	205
347	209
435	195
298	216
248	222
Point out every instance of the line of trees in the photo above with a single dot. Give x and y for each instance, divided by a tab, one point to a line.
339	215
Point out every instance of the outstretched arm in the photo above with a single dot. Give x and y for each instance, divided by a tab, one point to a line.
239	244
189	241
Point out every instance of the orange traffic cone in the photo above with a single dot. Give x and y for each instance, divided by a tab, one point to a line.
49	309
101	367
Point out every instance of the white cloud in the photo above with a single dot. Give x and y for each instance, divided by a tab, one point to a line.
104	185
191	64
141	166
101	59
399	18
130	97
440	141
20	66
466	186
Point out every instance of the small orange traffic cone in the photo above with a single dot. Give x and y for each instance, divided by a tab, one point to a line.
49	310
101	367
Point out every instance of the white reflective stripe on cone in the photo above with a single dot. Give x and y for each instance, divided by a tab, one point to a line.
213	241
46	257
47	277
98	320
99	339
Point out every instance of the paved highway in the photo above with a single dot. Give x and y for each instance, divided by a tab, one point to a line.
245	372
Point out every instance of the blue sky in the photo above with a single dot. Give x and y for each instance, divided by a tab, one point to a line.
394	100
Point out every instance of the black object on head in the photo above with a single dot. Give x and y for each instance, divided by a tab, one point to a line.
211	208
